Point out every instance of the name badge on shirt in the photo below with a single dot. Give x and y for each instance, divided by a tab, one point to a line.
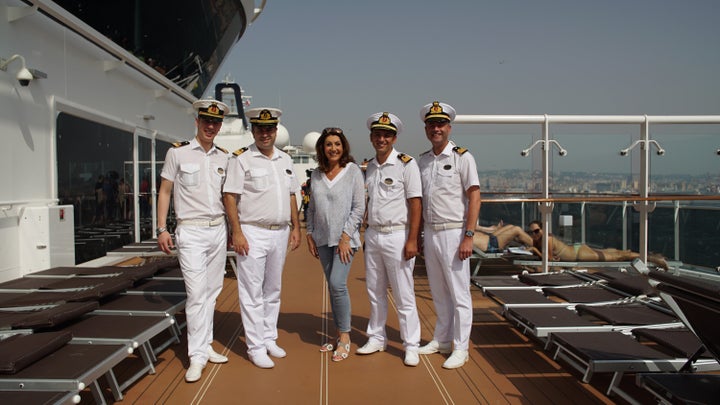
288	171
388	181
447	167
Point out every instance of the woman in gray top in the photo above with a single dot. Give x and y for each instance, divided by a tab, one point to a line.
334	214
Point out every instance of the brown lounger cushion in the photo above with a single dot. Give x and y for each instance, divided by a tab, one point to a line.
20	351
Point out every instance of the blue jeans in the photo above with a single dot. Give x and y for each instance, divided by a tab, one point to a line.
336	274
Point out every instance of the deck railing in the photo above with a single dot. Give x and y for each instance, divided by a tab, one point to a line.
644	203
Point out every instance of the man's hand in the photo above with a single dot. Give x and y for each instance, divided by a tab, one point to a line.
240	244
165	242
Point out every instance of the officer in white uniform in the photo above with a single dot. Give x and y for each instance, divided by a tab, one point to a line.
260	200
194	173
451	205
393	215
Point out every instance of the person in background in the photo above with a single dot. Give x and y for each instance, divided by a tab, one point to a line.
194	172
334	215
494	239
393	216
451	205
261	204
581	252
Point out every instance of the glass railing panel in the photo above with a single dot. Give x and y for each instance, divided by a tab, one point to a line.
690	164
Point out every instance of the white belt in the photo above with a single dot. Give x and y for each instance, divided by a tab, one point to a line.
272	227
448	225
202	222
387	228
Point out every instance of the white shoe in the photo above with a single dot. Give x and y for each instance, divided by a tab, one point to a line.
274	350
194	372
457	359
435	347
370	347
214	357
412	358
262	360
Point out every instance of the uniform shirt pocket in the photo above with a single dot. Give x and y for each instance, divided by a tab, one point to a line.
189	174
260	178
390	188
218	176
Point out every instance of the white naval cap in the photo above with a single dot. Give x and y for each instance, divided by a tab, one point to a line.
385	120
210	108
263	115
437	111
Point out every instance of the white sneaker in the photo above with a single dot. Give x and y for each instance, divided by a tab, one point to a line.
412	358
435	347
370	347
194	372
214	357
274	350
457	359
261	360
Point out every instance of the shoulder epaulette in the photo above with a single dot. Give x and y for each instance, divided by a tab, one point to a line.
371	159
404	158
240	151
426	152
459	150
179	144
222	149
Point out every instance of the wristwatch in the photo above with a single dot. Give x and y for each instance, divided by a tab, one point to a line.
160	230
469	233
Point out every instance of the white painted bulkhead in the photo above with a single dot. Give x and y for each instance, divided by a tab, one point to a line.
82	80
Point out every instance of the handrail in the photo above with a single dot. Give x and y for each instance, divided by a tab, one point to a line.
588	198
643	203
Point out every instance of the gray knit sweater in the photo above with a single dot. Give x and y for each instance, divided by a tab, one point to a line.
336	209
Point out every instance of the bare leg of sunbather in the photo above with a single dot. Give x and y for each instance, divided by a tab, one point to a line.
588	254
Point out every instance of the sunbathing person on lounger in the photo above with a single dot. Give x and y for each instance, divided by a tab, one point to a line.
580	252
494	239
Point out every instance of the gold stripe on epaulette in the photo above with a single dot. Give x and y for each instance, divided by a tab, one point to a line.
222	149
459	150
179	144
240	151
404	158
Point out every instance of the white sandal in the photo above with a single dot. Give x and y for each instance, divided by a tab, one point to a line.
341	356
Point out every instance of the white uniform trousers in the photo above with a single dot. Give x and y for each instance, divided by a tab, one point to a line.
259	282
202	253
449	279
385	264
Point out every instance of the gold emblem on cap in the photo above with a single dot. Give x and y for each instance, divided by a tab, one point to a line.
214	109
436	108
384	119
265	115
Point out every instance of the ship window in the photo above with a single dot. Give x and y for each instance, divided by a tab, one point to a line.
95	175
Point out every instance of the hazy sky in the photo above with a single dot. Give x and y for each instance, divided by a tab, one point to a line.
330	62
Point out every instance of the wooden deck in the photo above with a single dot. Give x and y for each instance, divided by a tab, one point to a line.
504	367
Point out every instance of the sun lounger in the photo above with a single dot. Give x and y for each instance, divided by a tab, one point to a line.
533	281
616	353
148	305
134	273
31	318
541	321
681	388
60	368
33	291
698	302
134	331
159	287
